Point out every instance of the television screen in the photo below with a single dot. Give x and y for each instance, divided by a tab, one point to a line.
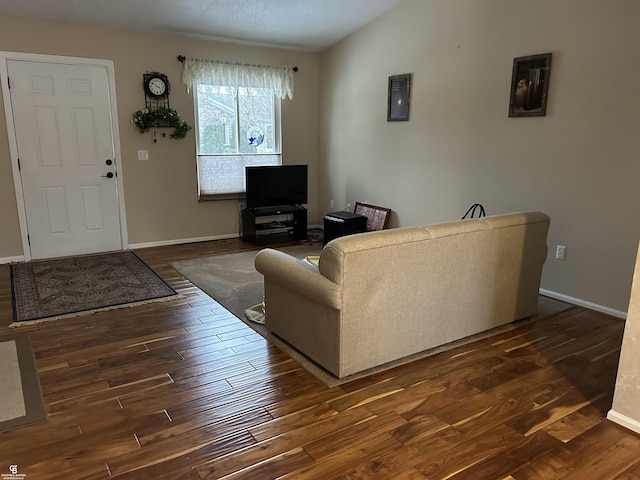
273	186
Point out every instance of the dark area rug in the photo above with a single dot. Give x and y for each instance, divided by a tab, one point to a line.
20	395
44	290
231	279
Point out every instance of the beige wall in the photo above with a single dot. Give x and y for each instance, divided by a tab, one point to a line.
626	407
10	242
579	164
160	194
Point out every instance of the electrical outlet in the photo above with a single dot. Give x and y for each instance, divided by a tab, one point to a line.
143	154
331	204
561	252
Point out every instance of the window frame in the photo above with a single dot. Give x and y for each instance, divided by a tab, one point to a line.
277	126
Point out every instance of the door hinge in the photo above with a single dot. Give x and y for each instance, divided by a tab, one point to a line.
9	83
28	239
19	167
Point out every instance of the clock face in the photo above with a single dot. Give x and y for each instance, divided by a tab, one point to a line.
156	85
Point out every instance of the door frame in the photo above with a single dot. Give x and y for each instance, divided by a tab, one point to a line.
13	143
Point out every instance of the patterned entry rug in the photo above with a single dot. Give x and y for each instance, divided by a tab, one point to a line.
44	290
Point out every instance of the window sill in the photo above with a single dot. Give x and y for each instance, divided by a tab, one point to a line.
222	196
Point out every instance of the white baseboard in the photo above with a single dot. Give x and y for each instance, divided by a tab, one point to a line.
584	303
178	241
627	422
162	243
19	258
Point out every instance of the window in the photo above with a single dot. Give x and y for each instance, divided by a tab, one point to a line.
235	127
237	119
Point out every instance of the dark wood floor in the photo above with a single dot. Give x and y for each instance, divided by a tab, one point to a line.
184	390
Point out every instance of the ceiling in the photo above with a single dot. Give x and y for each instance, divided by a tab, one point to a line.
311	25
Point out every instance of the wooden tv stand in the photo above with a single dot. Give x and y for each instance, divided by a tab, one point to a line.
273	224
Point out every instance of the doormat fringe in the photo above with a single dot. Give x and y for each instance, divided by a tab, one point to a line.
86	313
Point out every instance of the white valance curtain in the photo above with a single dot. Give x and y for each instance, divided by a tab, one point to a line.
279	78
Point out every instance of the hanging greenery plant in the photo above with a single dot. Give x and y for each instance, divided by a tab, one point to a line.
162	117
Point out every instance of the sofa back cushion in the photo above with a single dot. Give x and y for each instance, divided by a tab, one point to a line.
351	252
441	283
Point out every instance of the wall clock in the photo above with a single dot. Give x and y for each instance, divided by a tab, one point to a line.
156	89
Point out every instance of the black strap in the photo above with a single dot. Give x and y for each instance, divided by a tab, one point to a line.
476	207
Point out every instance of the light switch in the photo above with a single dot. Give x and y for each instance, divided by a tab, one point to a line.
143	154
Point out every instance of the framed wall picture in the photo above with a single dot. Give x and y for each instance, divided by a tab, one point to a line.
530	85
398	98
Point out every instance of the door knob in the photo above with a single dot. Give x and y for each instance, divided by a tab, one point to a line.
108	161
108	175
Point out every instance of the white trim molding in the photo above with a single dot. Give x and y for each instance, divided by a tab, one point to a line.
16	259
623	420
584	303
178	241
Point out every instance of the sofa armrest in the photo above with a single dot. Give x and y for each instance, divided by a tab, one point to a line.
290	273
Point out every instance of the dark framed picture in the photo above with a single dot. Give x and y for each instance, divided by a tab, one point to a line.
398	98
377	217
530	85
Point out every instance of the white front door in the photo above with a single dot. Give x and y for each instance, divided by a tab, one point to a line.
65	145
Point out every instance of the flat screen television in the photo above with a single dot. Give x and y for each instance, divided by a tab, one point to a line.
274	186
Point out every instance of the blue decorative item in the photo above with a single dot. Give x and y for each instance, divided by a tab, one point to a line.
255	135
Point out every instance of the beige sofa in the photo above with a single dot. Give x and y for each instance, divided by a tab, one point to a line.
380	296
